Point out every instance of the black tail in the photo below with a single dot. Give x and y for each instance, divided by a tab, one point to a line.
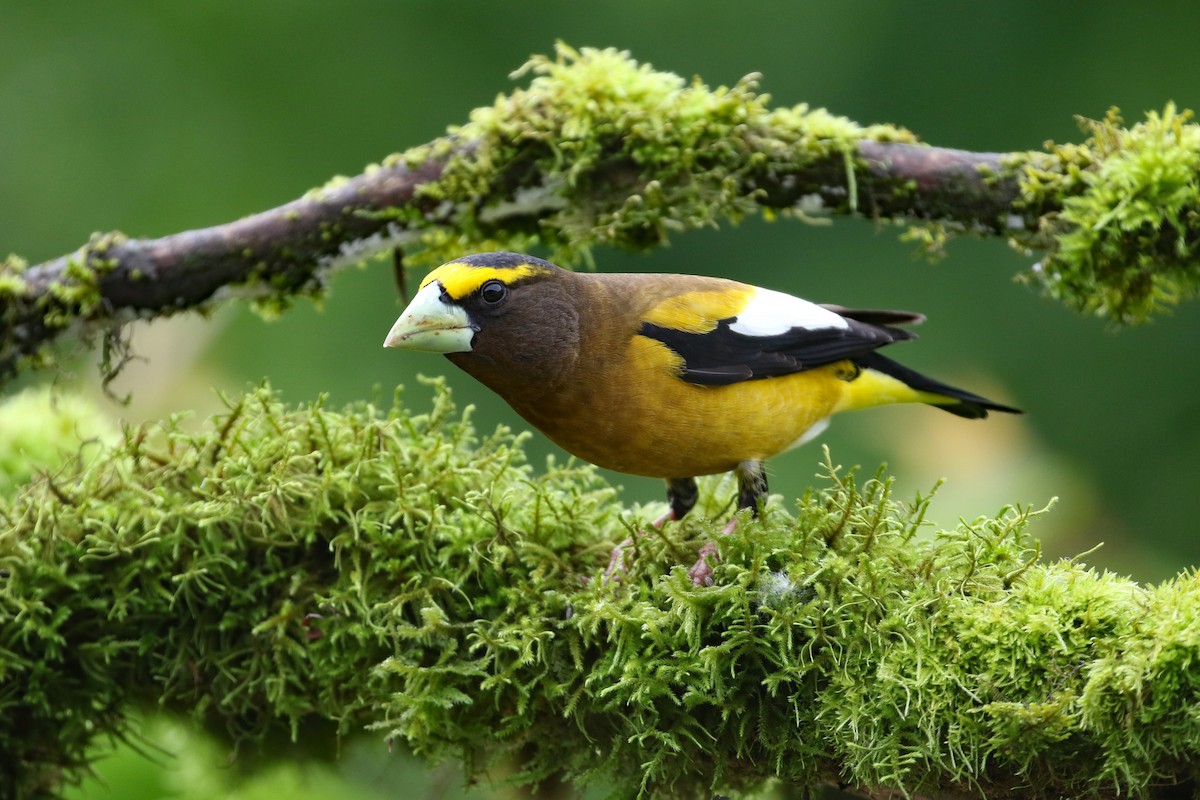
878	316
971	406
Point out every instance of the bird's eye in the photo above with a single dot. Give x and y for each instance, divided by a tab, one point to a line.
493	292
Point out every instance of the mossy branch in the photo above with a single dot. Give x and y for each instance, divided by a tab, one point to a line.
304	573
600	150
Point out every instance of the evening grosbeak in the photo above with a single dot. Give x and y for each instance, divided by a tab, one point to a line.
670	376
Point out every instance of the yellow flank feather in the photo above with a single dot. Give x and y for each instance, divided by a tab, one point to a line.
873	388
459	280
699	312
654	357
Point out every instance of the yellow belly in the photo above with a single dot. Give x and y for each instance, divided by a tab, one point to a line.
641	424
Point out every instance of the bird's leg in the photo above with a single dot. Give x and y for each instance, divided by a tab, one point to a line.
752	492
682	495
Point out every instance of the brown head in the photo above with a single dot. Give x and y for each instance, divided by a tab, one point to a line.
509	320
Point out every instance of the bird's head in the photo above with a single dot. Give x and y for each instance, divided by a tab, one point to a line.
496	315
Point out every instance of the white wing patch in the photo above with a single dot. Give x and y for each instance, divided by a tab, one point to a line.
771	313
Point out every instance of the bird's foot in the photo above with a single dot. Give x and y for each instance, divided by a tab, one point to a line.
701	572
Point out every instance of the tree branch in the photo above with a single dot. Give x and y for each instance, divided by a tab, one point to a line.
290	250
390	572
945	185
602	151
283	252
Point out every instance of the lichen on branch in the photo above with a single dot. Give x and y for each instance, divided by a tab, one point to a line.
304	573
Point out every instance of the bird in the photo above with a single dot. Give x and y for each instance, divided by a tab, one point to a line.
664	375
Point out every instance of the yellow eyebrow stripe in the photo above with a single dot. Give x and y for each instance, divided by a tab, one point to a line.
459	280
699	312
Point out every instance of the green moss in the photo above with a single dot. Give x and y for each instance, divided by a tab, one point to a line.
292	573
75	294
39	430
1121	215
11	283
602	150
930	237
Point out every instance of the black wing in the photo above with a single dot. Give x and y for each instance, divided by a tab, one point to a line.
723	356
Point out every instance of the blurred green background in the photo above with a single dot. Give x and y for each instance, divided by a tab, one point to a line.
157	117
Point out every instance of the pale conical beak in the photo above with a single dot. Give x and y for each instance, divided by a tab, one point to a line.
432	325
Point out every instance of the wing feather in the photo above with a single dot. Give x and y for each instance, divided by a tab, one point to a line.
776	334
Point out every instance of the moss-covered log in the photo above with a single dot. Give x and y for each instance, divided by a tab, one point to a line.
306	573
600	150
